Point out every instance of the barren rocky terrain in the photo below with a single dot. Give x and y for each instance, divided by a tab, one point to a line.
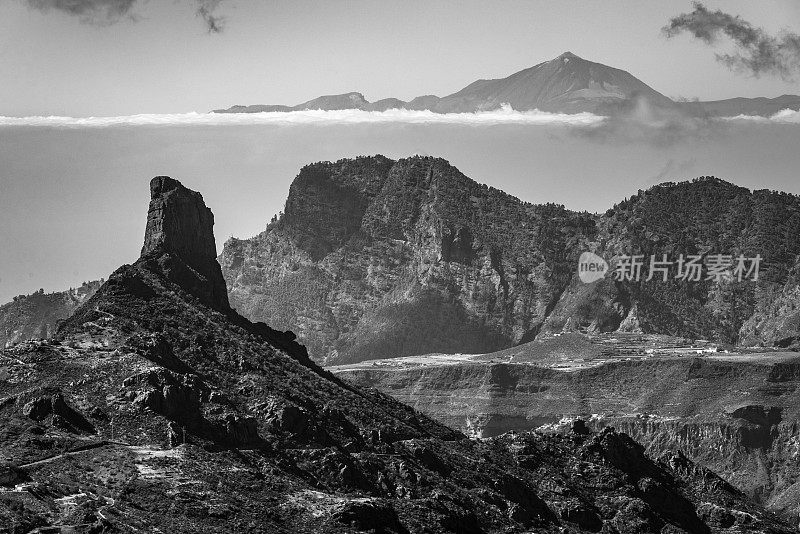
733	411
156	407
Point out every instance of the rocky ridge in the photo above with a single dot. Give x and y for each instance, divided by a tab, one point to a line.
565	84
374	258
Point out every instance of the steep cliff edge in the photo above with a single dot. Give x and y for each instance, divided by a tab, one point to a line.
374	257
180	231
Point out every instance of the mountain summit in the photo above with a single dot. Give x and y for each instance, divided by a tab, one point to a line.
566	84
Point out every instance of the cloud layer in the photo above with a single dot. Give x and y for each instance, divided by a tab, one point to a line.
757	52
658	132
105	12
347	116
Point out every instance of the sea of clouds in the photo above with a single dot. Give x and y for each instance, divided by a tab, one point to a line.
505	115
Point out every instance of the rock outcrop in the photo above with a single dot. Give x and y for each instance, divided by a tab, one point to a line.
179	224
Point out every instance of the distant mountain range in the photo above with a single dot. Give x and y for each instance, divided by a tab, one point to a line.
566	84
37	315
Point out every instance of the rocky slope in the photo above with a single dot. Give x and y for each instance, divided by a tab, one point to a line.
706	216
37	315
736	413
157	407
776	318
375	258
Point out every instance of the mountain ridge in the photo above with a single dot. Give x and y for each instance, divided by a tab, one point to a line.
37	315
368	248
565	84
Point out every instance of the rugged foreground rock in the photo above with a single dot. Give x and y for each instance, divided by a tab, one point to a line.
375	258
158	408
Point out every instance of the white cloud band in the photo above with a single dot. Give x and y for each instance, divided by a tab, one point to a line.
349	116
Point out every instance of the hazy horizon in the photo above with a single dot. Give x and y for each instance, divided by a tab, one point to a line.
139	77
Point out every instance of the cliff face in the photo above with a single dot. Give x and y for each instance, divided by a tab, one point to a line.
180	228
759	457
380	258
735	414
375	258
37	315
155	408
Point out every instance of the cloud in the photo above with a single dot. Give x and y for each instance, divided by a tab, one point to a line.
618	130
105	12
100	12
205	10
643	122
345	116
786	116
757	52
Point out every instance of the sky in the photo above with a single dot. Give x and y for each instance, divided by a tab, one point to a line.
160	58
74	192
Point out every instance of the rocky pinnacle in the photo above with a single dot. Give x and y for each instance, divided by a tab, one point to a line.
180	225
